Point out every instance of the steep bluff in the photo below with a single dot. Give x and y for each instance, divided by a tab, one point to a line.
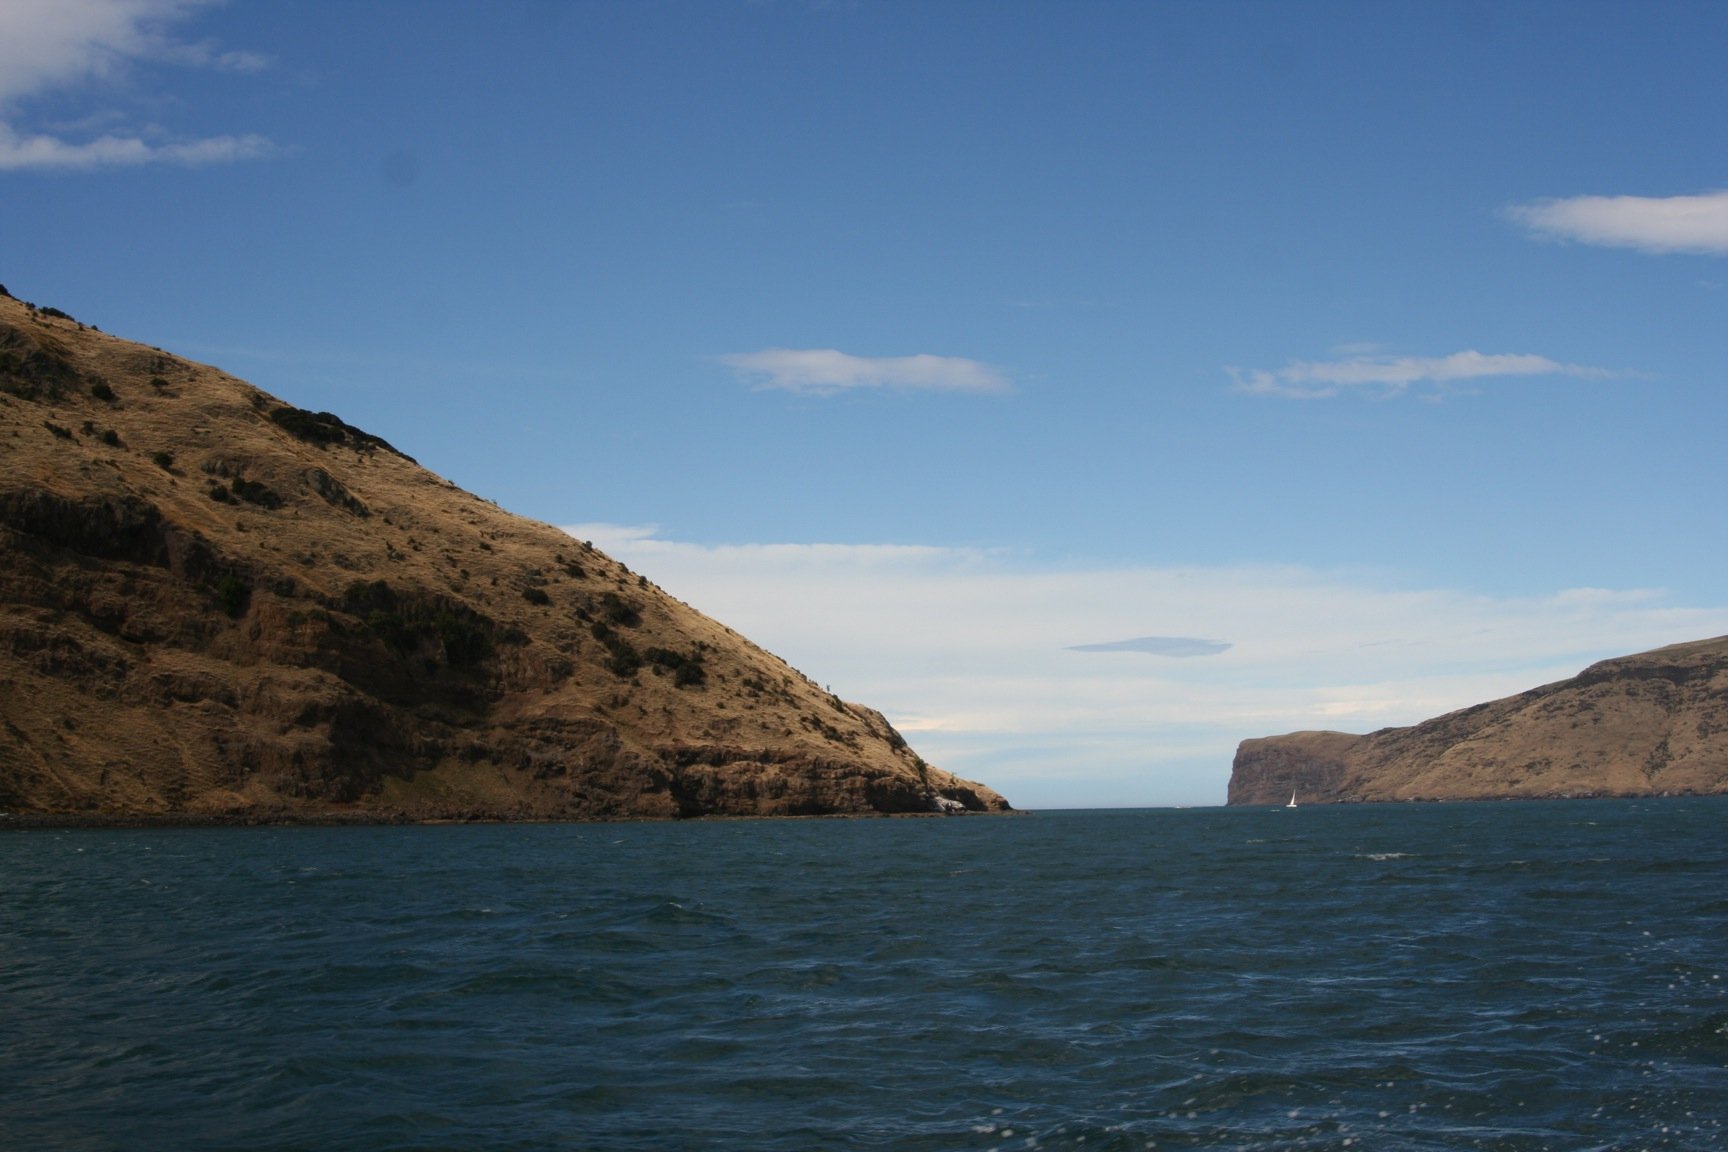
215	605
1651	724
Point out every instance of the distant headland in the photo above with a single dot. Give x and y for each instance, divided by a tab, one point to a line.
1653	724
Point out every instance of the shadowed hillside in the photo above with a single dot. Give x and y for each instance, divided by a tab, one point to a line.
214	605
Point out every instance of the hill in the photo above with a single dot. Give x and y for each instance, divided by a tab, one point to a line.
1651	724
217	606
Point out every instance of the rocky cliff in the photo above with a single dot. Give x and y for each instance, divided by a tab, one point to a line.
1645	725
215	605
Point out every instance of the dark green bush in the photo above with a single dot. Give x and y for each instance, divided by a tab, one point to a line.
101	391
614	609
408	622
111	438
622	658
59	432
686	670
163	459
233	594
254	492
536	596
467	640
328	428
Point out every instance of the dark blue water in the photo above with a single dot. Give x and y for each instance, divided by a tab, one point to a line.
1516	976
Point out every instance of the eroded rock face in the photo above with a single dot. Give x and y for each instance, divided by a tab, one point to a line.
1651	724
215	605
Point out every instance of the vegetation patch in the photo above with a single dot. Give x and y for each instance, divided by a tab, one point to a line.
614	609
233	595
334	493
430	626
324	428
536	596
687	670
251	491
622	659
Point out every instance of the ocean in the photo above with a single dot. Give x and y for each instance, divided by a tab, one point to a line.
1514	976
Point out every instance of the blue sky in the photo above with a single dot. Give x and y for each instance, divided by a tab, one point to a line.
1088	385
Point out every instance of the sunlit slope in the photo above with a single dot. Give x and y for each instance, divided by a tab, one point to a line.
214	604
1653	724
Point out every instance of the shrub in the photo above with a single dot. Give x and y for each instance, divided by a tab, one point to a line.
614	609
59	432
111	438
686	670
101	391
405	622
254	492
233	594
163	459
622	658
220	494
536	596
328	428
467	640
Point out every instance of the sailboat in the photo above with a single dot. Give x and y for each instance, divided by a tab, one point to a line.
1292	803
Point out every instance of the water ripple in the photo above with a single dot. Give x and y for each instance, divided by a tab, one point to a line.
1505	977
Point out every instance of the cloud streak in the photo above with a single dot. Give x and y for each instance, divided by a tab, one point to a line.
969	652
1178	646
1387	376
826	371
110	151
1655	224
55	45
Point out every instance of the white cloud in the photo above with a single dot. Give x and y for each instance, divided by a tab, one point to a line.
824	371
1394	375
110	151
970	653
55	45
1657	224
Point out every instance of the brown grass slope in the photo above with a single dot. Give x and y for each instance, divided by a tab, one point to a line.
1652	724
214	605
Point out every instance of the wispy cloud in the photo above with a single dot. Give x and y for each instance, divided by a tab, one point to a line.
968	652
825	371
1395	375
112	151
1658	224
1179	646
57	45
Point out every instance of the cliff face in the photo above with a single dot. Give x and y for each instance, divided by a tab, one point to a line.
1645	725
216	605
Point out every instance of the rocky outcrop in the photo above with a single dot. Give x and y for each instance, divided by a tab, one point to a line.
214	605
1645	725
